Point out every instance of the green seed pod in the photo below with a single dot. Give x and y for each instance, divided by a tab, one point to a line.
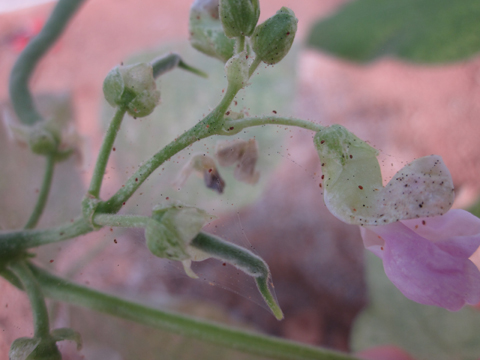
273	39
133	87
206	31
353	186
239	17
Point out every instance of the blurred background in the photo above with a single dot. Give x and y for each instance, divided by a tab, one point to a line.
407	103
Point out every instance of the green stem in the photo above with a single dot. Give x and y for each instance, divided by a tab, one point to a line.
268	346
43	195
27	61
12	242
35	295
133	221
210	125
233	127
104	154
254	66
239	44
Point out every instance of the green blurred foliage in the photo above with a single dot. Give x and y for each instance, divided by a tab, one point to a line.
422	31
426	332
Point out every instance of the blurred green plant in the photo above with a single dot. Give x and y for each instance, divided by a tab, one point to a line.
421	31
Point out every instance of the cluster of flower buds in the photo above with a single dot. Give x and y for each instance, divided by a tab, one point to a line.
215	23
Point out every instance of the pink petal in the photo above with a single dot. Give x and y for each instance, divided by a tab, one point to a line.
423	271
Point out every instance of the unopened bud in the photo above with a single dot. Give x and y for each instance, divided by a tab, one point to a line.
206	31
242	153
132	87
273	39
239	17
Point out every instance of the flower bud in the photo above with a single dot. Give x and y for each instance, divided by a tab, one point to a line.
244	154
132	87
239	17
206	32
353	186
273	39
171	230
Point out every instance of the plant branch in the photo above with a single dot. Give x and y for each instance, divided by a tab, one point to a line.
14	241
104	154
248	342
232	127
27	61
35	295
43	195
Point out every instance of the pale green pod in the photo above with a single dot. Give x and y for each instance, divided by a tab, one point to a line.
353	187
236	70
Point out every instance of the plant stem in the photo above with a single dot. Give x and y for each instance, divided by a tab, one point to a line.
238	125
239	44
43	195
254	66
27	61
134	221
35	295
14	241
268	346
104	154
210	125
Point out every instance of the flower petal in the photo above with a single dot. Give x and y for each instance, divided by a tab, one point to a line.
456	232
423	271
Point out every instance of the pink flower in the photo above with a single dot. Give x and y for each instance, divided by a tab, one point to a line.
427	259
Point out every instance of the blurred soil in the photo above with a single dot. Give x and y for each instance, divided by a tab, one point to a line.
407	111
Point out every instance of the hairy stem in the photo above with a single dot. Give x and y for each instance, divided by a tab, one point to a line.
268	346
254	66
133	221
43	194
238	125
104	154
35	295
27	61
239	44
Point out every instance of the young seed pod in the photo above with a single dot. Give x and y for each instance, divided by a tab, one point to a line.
239	17
236	70
273	38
